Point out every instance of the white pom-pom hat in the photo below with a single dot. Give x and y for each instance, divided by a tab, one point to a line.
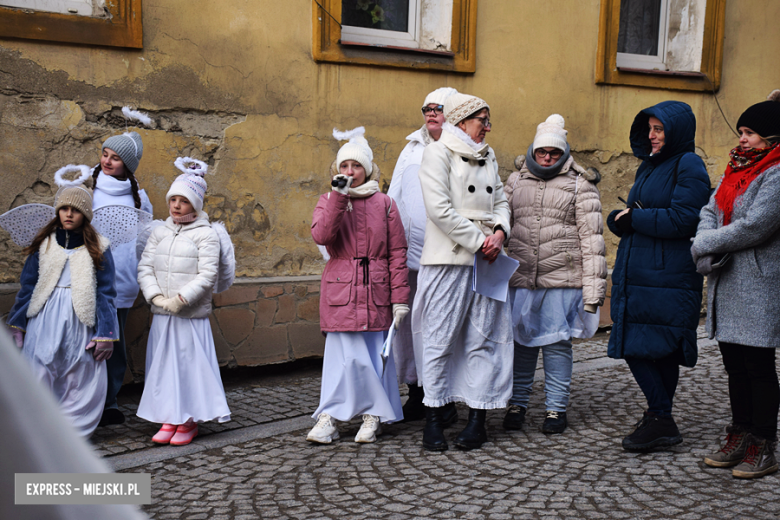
551	134
356	149
439	96
190	184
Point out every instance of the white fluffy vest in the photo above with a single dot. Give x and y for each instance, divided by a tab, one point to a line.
83	280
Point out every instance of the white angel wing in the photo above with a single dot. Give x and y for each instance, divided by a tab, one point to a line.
120	224
226	272
24	222
143	237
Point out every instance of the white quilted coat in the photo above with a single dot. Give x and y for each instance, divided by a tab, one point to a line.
181	259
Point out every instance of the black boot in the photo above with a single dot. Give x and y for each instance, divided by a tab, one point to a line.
433	434
651	432
449	415
473	435
414	409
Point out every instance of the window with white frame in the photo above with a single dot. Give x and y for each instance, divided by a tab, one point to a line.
381	22
73	7
664	35
411	24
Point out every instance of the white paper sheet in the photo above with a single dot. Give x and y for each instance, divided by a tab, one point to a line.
492	280
387	346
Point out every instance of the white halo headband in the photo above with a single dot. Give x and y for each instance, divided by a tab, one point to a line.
142	118
184	165
64	183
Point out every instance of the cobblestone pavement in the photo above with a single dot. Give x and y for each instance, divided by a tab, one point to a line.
260	466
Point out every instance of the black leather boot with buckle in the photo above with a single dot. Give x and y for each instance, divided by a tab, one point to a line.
473	435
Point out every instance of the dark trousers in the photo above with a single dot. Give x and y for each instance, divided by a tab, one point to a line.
658	380
116	365
753	388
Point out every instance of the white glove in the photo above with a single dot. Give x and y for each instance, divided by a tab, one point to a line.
158	300
591	308
345	189
400	310
174	305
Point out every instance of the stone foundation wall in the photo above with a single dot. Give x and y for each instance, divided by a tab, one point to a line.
258	321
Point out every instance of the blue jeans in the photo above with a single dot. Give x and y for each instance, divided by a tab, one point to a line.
116	365
658	380
558	360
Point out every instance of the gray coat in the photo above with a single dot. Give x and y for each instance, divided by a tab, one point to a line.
743	297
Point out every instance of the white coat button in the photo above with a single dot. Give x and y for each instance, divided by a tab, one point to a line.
364	327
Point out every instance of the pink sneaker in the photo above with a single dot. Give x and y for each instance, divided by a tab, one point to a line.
184	434
165	434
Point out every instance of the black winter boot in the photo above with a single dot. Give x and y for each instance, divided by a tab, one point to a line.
473	435
433	434
449	415
652	431
414	409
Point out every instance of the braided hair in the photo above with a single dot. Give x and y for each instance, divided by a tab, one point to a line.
130	177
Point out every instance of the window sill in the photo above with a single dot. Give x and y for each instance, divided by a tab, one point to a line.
397	48
656	72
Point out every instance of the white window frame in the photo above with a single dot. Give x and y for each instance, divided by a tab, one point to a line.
72	7
655	62
409	39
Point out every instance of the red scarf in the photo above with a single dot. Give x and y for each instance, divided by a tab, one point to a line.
744	167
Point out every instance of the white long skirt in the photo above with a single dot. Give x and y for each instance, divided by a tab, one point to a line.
182	381
546	316
352	379
462	340
55	346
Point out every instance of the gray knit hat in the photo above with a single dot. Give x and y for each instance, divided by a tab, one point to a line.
128	146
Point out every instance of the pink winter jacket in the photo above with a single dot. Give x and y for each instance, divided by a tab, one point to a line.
367	271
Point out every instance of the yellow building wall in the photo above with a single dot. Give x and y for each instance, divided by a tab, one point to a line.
233	82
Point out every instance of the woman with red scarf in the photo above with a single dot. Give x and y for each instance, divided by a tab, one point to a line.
737	246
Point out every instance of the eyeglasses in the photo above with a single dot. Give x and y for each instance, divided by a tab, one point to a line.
554	154
484	121
438	109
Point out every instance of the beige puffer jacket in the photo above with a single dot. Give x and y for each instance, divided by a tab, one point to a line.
556	231
181	259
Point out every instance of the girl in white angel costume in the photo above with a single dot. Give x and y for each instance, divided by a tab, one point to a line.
183	263
64	316
114	184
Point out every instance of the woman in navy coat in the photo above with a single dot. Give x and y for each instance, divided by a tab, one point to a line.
656	291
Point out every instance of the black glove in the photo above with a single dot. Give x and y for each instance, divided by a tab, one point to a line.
624	223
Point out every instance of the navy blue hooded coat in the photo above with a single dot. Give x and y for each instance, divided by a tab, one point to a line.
656	291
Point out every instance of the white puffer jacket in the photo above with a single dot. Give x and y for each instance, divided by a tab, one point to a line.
181	259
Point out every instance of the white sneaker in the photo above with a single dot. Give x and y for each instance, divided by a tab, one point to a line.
369	429
325	431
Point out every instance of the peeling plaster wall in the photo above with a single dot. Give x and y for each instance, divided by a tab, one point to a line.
233	83
686	29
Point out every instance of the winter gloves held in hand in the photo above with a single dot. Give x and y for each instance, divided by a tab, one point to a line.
591	308
400	310
173	305
102	349
347	182
624	222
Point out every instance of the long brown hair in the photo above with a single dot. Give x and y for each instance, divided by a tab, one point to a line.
91	239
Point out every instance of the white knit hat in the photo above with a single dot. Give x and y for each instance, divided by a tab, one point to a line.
551	133
439	96
458	107
356	149
191	183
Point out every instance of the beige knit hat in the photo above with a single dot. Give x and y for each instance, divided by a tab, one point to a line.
551	133
74	193
459	106
356	149
439	96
